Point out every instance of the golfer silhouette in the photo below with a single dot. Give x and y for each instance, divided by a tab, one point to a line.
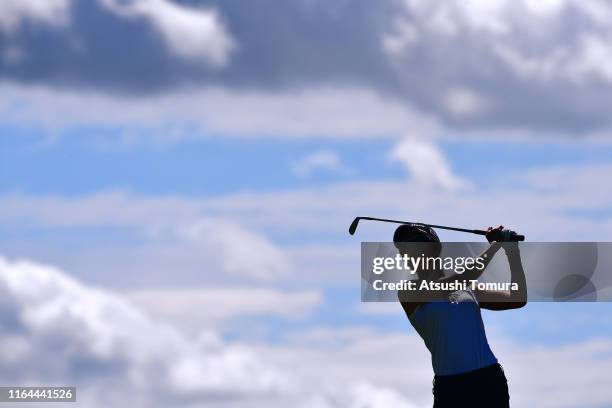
467	373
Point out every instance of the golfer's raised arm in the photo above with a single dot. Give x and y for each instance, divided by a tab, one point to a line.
513	299
494	237
517	274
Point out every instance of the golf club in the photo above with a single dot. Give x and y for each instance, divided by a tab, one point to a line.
355	222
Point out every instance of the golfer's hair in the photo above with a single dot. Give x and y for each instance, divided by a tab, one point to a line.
406	234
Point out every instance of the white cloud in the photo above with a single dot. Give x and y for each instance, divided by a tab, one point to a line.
364	371
361	394
426	164
323	160
368	395
569	375
50	12
377	308
542	67
207	306
61	332
463	102
322	336
56	330
239	251
598	11
532	202
595	58
491	19
398	367
545	7
451	17
170	230
320	112
446	61
567	48
401	38
589	59
189	32
521	201
485	15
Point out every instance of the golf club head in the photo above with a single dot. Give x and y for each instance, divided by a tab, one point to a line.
353	226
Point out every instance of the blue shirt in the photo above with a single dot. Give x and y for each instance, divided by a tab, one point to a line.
454	333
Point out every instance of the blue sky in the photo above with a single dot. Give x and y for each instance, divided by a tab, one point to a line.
177	179
213	165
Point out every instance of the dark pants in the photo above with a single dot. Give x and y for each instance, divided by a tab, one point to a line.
485	387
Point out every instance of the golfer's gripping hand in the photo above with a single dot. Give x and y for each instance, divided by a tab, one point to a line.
499	234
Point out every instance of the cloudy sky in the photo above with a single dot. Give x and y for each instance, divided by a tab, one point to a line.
177	178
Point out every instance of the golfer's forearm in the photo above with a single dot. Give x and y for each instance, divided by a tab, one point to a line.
517	274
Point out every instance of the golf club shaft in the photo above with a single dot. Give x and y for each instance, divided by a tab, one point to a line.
513	236
471	231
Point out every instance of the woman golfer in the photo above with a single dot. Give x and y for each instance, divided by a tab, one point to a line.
467	373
